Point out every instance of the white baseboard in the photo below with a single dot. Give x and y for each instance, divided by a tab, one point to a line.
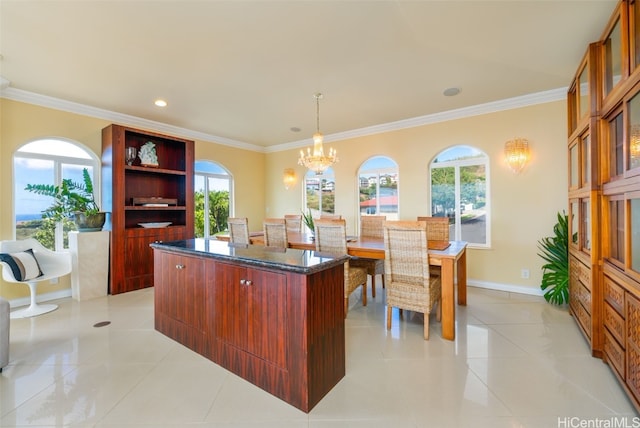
505	287
45	297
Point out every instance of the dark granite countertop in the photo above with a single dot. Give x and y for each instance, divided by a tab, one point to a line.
291	260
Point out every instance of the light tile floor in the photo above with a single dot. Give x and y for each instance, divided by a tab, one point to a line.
516	362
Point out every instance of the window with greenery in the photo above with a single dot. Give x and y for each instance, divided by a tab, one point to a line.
320	193
48	161
459	190
212	198
378	184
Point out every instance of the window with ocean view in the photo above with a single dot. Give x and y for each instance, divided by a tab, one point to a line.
47	161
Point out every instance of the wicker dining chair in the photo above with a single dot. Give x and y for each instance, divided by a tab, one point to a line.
371	226
409	285
324	216
293	222
437	230
238	230
331	237
275	232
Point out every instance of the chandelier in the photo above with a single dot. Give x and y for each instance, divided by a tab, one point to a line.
317	161
516	153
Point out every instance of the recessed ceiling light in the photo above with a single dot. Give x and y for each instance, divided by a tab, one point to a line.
160	103
450	92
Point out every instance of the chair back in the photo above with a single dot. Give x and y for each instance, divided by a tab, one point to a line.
330	216
275	232
437	228
406	253
331	236
53	264
238	230
372	226
293	222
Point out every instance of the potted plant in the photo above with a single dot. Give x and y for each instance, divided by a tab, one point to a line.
307	218
554	250
72	200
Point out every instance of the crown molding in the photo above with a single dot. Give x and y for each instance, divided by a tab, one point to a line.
120	118
552	95
124	119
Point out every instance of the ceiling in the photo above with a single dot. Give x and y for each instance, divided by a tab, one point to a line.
247	71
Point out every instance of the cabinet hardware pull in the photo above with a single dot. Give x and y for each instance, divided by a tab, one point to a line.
249	282
180	266
243	281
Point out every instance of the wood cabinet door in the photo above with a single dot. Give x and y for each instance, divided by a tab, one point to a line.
633	344
138	258
251	307
181	293
231	305
266	307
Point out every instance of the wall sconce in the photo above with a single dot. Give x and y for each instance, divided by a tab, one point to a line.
516	154
289	178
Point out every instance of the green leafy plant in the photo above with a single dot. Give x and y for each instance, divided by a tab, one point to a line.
68	198
307	218
554	250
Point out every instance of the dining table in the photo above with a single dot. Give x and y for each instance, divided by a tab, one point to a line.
451	256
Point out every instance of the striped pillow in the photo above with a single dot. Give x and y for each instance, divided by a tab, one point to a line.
24	265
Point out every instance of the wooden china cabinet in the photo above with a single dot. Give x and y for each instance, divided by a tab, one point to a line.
604	141
147	203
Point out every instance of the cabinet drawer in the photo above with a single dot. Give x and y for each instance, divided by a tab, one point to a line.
615	323
614	295
574	293
585	298
584	318
584	275
614	353
633	321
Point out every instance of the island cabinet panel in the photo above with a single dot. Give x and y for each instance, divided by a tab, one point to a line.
279	329
180	299
251	304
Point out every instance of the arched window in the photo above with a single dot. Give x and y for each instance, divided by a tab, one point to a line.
213	187
320	193
48	161
378	184
460	190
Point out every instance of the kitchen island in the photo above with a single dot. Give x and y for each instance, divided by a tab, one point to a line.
273	317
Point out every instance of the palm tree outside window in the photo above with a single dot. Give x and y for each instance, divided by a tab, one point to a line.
212	199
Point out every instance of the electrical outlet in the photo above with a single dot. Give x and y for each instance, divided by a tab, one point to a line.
524	274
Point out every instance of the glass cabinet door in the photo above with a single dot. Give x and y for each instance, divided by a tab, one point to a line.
573	223
616	147
585	155
634	231
616	230
574	165
633	144
613	58
583	93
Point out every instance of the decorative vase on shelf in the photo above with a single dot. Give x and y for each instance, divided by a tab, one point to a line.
130	155
148	155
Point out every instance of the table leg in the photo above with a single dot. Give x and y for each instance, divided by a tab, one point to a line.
448	300
462	279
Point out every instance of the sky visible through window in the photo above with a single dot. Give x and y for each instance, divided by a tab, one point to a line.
29	170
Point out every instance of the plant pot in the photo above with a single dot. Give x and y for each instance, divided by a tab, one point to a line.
89	223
